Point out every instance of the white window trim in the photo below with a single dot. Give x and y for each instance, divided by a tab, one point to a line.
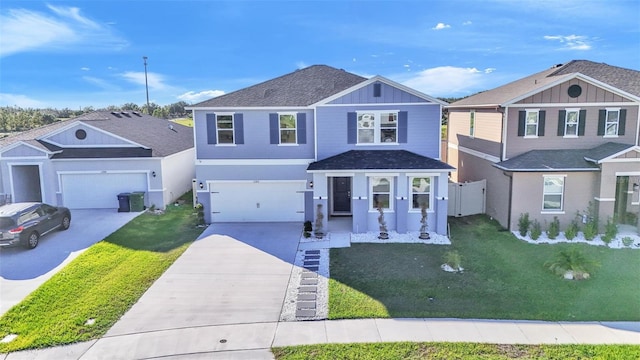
527	111
607	122
472	123
566	123
233	126
564	181
391	192
411	193
377	127
295	128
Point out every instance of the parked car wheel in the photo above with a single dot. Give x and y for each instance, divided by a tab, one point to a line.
32	241
66	222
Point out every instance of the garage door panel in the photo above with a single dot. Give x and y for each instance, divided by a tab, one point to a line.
257	202
99	191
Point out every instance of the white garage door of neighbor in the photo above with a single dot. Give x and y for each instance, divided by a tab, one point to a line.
99	191
257	201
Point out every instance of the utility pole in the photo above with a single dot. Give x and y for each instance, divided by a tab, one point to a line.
146	83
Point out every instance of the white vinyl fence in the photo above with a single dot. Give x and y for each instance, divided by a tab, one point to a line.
467	198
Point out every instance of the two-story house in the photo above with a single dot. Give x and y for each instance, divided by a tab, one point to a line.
551	143
322	136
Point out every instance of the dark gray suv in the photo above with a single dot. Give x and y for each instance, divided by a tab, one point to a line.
24	223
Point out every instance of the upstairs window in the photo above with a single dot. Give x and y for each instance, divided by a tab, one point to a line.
571	122
531	123
224	129
420	192
611	124
377	127
288	131
381	191
553	193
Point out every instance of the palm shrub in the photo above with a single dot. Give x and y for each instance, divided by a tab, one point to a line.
554	228
536	230
572	230
523	224
610	231
453	259
572	260
627	241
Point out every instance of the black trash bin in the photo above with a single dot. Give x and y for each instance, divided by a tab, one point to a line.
123	202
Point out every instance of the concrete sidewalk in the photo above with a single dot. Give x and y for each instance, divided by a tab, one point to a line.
223	297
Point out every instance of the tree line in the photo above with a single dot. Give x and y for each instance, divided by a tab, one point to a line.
15	119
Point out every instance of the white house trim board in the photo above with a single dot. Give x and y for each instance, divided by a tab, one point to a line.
382	80
612	158
61	173
338	174
252	162
604	199
77	124
376	104
247	108
564	105
627	173
568	77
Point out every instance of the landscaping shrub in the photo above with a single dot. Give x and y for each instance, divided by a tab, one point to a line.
554	228
453	259
610	231
572	230
590	230
523	224
571	260
536	230
308	226
627	241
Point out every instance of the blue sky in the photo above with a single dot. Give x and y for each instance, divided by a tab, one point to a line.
89	53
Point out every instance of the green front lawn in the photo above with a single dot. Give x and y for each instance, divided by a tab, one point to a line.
504	278
447	351
102	283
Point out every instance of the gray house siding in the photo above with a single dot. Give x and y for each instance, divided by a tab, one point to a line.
23	151
423	129
256	134
93	137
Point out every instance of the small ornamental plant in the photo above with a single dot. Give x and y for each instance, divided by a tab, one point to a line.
572	230
554	228
627	241
384	234
452	261
523	224
423	221
590	230
307	229
610	231
536	230
571	264
319	217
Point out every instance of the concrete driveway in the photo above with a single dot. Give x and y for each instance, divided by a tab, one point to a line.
23	270
224	294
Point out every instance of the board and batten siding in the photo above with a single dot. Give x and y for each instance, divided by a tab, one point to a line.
558	94
94	137
378	93
23	151
423	129
256	134
517	145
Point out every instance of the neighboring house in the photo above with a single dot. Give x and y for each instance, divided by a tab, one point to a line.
87	161
322	136
551	143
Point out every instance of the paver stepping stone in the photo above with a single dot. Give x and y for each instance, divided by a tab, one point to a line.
305	313
306	305
309	275
306	297
309	282
313	262
315	252
311	267
311	257
308	289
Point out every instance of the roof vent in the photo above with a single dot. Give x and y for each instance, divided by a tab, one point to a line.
116	114
268	92
557	65
136	113
125	114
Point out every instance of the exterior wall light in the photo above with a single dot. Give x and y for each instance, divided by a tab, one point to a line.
311	184
153	173
201	185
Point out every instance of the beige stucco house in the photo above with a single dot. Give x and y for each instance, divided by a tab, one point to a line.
552	142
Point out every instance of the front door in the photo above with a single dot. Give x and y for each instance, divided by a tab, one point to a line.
341	195
620	209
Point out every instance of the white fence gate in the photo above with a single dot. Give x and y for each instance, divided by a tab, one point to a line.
467	198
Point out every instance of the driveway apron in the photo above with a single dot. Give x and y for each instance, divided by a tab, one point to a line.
226	291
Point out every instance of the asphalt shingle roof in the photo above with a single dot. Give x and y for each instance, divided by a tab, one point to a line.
300	88
562	160
380	160
146	130
624	79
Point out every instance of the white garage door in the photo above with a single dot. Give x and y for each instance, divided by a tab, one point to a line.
257	201
99	191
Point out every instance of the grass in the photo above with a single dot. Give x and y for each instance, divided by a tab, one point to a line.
101	284
504	278
184	121
404	350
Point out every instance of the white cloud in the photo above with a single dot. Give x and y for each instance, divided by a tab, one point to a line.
192	96
441	26
20	100
468	22
101	83
155	81
301	65
84	68
571	42
65	28
449	80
